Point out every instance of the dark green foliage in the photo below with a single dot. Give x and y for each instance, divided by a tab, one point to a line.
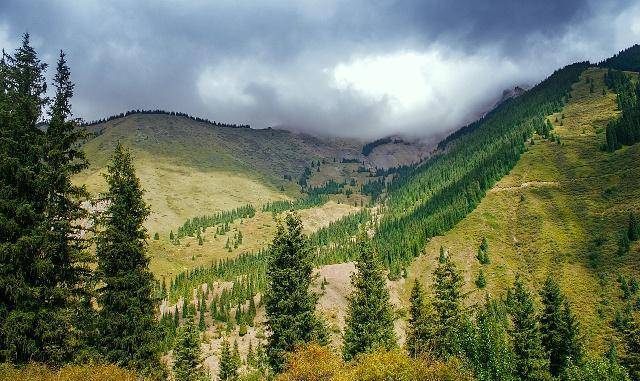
420	329
369	321
626	129
633	230
129	332
624	244
196	225
493	356
442	257
449	315
427	200
228	370
530	363
44	274
290	305
559	329
481	281
305	203
597	369
369	147
187	366
631	358
627	59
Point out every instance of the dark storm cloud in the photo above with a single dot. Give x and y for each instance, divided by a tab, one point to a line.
358	67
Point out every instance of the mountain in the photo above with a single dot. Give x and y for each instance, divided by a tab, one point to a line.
561	210
192	167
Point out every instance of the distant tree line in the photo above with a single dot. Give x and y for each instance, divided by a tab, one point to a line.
304	203
197	225
626	129
627	59
163	112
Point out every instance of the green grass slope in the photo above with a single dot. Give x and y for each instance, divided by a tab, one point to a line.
561	210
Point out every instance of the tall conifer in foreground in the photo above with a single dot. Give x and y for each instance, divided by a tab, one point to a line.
531	363
420	330
228	369
447	302
68	276
559	329
187	354
129	332
22	202
290	304
369	321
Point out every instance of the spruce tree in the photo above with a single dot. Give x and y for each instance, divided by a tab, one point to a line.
441	257
631	357
447	303
128	329
420	329
290	305
559	329
68	273
531	363
369	321
187	354
493	356
228	369
23	193
632	230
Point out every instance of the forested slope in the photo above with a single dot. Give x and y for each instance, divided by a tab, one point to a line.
562	210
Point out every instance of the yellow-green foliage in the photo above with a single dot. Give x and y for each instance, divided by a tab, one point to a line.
561	210
37	372
317	363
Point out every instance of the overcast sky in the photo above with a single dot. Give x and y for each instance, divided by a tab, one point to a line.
364	68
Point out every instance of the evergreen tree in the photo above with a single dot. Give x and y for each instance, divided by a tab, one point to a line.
290	305
128	329
632	230
68	274
228	369
442	256
559	329
493	356
530	362
369	321
448	309
23	317
481	281
631	358
420	329
187	354
202	325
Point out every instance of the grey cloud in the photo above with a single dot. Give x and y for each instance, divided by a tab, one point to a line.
274	60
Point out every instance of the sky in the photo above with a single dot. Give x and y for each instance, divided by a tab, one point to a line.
352	68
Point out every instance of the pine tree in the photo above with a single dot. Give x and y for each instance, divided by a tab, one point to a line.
290	305
481	281
420	329
369	321
448	309
530	362
187	354
559	329
442	256
128	328
228	369
23	329
631	358
632	230
69	274
493	357
202	325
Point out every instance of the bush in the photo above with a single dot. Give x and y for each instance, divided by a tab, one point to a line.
38	372
317	363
